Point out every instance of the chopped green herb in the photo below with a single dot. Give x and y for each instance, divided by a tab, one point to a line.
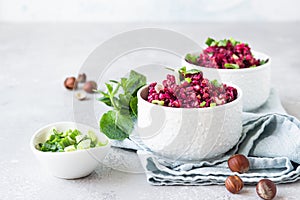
222	43
215	83
189	80
84	144
191	58
158	102
212	104
263	62
203	103
234	42
70	148
70	140
209	41
191	71
231	66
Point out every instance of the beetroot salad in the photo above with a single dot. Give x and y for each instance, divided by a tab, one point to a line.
192	91
225	54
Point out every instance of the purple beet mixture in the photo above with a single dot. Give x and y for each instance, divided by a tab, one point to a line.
194	91
226	54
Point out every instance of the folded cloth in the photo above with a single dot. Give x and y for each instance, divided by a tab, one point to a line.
270	138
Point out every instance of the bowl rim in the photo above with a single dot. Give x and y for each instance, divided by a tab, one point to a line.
38	132
255	53
206	109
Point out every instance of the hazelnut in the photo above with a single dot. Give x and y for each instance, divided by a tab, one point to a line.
238	163
90	86
234	184
70	83
81	78
266	189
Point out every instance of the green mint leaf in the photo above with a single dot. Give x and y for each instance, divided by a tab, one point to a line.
231	66
118	123
134	82
109	87
109	127
133	105
115	91
124	121
104	94
123	83
113	81
209	41
124	99
105	100
253	66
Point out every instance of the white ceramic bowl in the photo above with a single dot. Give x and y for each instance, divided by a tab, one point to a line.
254	82
69	165
189	133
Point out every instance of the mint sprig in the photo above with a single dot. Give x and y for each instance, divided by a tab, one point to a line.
118	123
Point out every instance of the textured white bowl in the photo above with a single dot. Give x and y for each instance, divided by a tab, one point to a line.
69	165
254	82
189	133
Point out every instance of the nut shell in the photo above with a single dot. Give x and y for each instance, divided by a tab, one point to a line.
90	86
80	95
266	189
238	163
70	83
234	184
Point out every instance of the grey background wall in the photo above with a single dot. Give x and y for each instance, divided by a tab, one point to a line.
148	10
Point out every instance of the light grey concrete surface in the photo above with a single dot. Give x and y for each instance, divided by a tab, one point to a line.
36	58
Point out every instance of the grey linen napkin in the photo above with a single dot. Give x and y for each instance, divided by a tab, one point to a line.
270	139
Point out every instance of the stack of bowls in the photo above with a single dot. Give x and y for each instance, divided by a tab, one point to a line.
203	133
254	82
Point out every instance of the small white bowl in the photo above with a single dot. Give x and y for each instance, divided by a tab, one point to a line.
189	133
254	82
69	165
